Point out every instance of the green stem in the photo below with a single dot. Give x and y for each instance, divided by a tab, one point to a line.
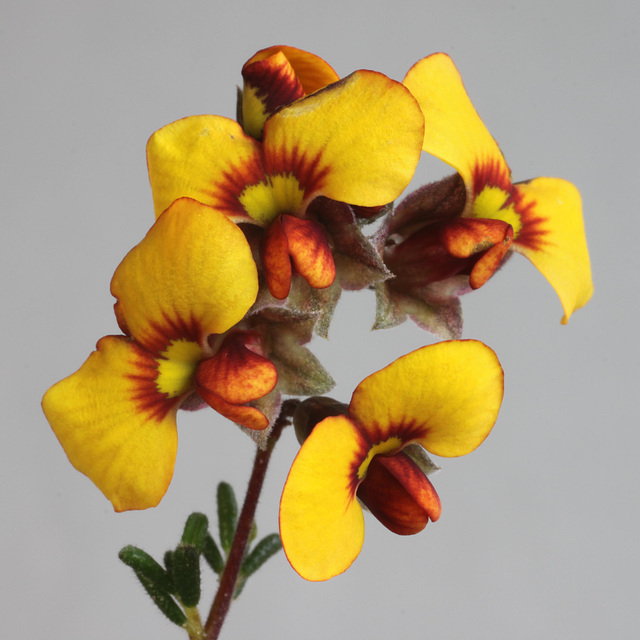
222	601
194	624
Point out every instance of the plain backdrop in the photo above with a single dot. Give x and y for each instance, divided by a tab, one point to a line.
539	532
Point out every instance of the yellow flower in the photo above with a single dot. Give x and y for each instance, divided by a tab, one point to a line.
190	280
444	397
540	218
356	141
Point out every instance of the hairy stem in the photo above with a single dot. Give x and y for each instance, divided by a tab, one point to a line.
224	595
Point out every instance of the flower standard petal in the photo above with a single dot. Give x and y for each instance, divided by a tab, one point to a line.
192	275
454	131
321	522
357	140
445	396
207	158
553	238
115	426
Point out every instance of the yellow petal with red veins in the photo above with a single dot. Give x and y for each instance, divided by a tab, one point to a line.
553	238
207	158
357	141
115	426
192	275
453	130
321	522
445	397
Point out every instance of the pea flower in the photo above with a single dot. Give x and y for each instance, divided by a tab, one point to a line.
444	397
356	141
179	292
277	76
451	236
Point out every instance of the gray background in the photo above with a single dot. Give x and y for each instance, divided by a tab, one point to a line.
539	533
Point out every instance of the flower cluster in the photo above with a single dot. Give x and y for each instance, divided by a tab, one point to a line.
260	225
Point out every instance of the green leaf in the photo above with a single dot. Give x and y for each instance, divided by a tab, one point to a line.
169	607
267	547
195	530
227	515
185	571
144	565
212	554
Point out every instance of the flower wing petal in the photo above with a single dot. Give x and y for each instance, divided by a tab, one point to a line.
553	238
207	158
114	427
321	522
454	131
357	140
193	274
445	396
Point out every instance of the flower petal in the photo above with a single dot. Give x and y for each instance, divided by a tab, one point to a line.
321	522
275	77
445	396
310	251
234	376
453	130
399	494
114	426
553	238
312	72
357	140
192	275
207	158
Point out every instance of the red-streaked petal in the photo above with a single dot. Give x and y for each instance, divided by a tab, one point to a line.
310	251
234	376
207	158
321	522
465	237
399	495
357	140
553	238
445	396
192	275
312	72
268	84
276	260
115	426
453	130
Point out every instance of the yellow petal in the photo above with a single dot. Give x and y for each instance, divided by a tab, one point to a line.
207	158
192	275
321	522
357	141
553	238
115	426
453	130
444	396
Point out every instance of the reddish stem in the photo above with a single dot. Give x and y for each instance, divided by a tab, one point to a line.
222	601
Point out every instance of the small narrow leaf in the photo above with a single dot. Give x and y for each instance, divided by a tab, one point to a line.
185	571
227	515
146	567
212	554
267	547
195	530
169	607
